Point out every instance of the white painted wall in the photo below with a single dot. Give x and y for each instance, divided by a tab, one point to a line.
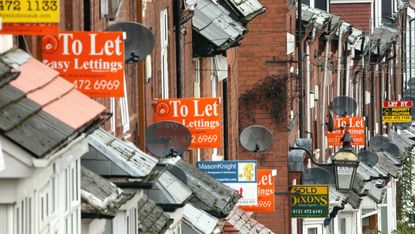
6	43
41	195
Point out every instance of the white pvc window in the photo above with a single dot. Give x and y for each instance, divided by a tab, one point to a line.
319	4
164	42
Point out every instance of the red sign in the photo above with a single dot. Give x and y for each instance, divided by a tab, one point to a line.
397	104
93	61
200	115
266	196
30	29
356	128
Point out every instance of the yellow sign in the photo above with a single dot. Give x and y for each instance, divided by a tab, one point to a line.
29	11
310	201
397	111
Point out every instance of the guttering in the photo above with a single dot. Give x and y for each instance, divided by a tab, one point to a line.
178	34
307	90
300	68
323	101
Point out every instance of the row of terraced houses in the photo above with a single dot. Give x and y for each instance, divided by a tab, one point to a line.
72	164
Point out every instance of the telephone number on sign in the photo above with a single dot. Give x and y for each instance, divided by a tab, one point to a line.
204	139
27	5
264	204
97	84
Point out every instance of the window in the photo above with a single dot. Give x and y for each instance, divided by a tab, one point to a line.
384	10
164	42
109	8
319	4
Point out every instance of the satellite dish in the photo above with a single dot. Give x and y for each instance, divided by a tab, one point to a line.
343	105
167	139
316	175
139	42
368	157
394	151
256	138
378	143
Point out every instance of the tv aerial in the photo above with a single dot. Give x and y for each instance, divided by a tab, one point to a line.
316	175
368	157
167	139
343	105
256	138
379	143
139	42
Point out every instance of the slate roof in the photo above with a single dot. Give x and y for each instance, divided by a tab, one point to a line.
244	223
209	194
213	22
248	9
198	220
39	110
100	197
151	217
110	156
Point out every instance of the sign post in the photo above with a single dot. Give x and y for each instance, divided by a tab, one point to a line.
310	201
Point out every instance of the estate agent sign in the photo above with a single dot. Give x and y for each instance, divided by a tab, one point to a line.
201	116
239	175
93	61
397	112
310	201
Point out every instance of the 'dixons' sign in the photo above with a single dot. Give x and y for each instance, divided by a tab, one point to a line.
397	111
356	128
310	201
266	192
200	115
93	61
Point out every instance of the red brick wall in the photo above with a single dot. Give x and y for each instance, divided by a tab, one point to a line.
266	40
356	14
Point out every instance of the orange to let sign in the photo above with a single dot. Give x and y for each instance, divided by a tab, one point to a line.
356	128
200	115
93	61
266	190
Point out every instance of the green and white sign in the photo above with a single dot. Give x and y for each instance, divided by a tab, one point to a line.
310	201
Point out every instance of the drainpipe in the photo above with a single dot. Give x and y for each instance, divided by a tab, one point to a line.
395	89
339	60
323	101
364	87
178	34
300	68
387	81
372	96
307	91
225	119
380	80
410	50
346	70
141	100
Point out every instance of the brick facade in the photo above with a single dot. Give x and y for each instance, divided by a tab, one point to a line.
356	14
